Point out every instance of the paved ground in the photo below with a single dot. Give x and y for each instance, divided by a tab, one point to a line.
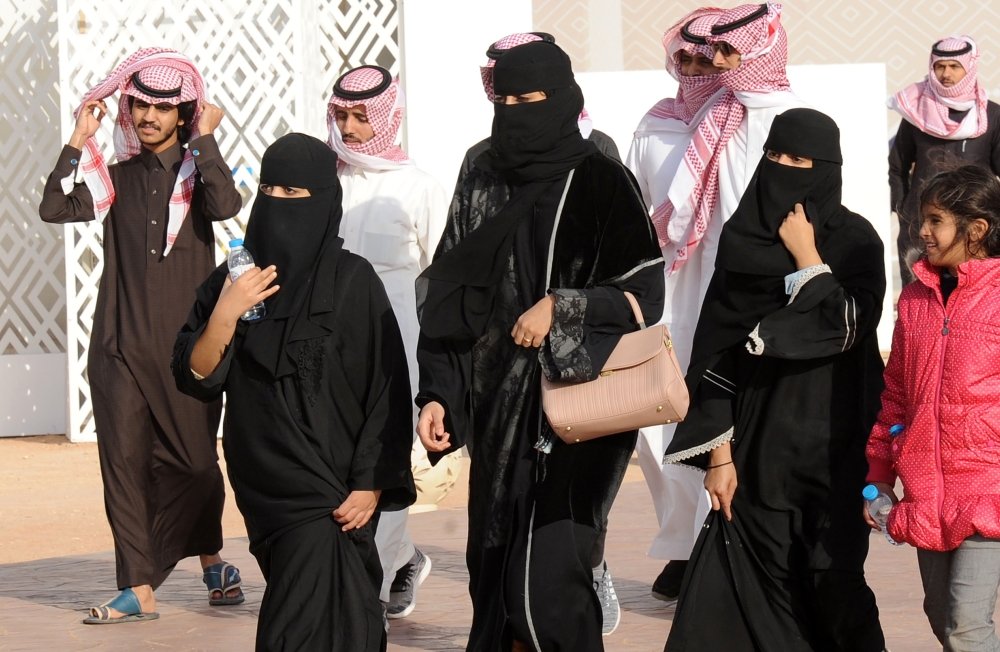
55	562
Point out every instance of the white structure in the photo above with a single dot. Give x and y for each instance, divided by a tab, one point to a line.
271	64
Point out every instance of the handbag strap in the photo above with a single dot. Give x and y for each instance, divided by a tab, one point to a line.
636	310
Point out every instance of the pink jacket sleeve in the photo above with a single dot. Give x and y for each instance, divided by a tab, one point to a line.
879	450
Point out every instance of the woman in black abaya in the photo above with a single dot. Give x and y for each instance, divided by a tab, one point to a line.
318	419
785	379
544	236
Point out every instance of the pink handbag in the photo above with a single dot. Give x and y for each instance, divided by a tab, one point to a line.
641	385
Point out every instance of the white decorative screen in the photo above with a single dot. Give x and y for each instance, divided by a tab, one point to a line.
32	278
268	63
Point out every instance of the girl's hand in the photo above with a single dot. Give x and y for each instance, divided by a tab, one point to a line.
243	294
357	510
430	428
799	237
534	325
889	491
720	481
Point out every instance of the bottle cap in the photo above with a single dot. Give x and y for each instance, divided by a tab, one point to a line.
896	430
870	492
236	242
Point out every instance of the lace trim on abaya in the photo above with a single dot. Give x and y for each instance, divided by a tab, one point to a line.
708	446
563	356
807	275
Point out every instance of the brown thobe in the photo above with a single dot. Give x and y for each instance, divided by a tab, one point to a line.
163	489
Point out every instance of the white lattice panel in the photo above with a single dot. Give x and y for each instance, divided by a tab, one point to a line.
268	63
31	252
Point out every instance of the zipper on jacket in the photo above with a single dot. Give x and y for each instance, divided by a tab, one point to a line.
963	145
945	330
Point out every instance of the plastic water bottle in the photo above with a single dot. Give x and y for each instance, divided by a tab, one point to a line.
879	506
240	261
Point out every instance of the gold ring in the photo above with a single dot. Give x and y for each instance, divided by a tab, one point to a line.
529	340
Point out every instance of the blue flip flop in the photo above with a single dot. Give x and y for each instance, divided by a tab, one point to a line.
223	577
126	603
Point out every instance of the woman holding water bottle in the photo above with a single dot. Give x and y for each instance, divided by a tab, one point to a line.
939	428
317	432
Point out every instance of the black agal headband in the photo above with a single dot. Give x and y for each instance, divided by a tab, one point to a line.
153	92
692	38
495	53
736	24
938	52
379	88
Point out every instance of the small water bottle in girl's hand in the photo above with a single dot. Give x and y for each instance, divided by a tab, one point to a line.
879	505
241	261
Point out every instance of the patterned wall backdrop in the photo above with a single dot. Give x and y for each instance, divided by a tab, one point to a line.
32	277
268	63
896	32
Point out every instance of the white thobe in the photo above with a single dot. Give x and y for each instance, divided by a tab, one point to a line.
394	219
679	498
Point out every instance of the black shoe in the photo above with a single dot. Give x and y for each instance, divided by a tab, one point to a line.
667	586
403	591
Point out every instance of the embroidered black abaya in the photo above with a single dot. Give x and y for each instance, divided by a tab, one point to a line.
318	406
792	381
534	516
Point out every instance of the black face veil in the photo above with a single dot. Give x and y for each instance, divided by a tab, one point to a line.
752	261
534	146
297	236
750	243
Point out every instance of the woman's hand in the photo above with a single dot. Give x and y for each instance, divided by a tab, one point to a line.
244	293
534	326
799	237
357	510
720	481
430	428
889	491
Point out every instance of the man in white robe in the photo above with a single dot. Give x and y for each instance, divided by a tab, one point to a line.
394	215
694	156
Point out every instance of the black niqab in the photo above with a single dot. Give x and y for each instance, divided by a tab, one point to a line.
299	237
752	261
534	146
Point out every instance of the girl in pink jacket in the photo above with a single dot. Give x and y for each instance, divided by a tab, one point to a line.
939	428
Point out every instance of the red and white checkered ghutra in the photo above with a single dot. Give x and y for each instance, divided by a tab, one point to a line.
763	45
160	69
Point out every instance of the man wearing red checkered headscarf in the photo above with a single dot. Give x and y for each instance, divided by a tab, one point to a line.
493	54
394	214
947	112
658	148
700	154
163	488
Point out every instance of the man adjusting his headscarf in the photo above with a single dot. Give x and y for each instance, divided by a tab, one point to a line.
692	189
394	214
945	116
163	489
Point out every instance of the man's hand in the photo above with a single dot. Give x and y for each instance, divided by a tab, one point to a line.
533	326
357	510
720	482
211	116
246	292
889	491
799	237
87	123
430	428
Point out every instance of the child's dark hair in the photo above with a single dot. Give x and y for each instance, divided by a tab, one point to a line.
185	112
969	193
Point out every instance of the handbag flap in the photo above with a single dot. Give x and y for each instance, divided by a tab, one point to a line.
635	348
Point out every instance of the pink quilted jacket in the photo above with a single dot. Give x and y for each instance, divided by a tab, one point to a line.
943	385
